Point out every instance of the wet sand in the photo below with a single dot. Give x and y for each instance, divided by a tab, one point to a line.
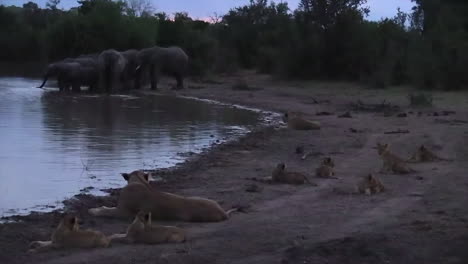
420	218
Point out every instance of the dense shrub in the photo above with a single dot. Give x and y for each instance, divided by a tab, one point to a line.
317	40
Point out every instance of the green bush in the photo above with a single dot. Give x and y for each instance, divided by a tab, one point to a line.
319	39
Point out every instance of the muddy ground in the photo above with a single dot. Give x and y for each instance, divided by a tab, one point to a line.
421	218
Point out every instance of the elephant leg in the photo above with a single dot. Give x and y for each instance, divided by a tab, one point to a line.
92	88
116	82
154	78
109	82
61	84
76	87
64	86
180	81
137	81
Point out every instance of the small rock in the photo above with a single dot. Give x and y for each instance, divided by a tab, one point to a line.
324	113
87	189
436	114
446	113
387	113
300	150
402	115
253	188
419	178
353	130
345	115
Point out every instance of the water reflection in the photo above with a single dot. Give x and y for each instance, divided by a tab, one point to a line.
53	145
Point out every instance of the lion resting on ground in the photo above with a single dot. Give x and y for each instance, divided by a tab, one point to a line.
326	169
296	122
142	231
138	196
370	185
69	235
281	175
392	162
423	154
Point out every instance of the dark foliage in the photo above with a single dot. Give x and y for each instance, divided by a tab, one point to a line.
320	39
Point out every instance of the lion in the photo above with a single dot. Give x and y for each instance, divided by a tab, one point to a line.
280	175
142	231
295	121
326	169
391	162
68	235
138	195
423	154
370	185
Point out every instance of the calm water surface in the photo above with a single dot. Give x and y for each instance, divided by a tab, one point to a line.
53	145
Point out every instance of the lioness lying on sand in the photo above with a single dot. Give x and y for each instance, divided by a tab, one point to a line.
68	235
296	122
138	195
423	154
392	162
142	231
370	185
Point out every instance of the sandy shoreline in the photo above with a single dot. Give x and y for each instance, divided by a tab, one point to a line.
422	218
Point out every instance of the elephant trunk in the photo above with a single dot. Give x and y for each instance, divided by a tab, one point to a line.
44	82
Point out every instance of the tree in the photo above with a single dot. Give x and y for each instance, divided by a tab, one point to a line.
52	4
140	8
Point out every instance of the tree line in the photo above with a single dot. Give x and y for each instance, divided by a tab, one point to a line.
319	39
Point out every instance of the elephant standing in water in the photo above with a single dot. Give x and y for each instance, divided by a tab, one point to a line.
73	72
171	60
116	69
89	71
67	73
128	78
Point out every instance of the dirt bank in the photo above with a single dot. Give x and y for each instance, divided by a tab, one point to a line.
421	218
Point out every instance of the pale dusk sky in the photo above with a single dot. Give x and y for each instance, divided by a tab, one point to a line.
206	8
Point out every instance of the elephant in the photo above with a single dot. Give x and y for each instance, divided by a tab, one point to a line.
169	60
73	72
89	70
67	73
117	69
131	64
111	67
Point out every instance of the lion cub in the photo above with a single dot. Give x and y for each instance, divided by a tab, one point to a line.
370	185
425	155
280	175
294	121
142	231
69	235
326	169
391	162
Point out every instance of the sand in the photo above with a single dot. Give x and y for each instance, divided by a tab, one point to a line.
421	217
